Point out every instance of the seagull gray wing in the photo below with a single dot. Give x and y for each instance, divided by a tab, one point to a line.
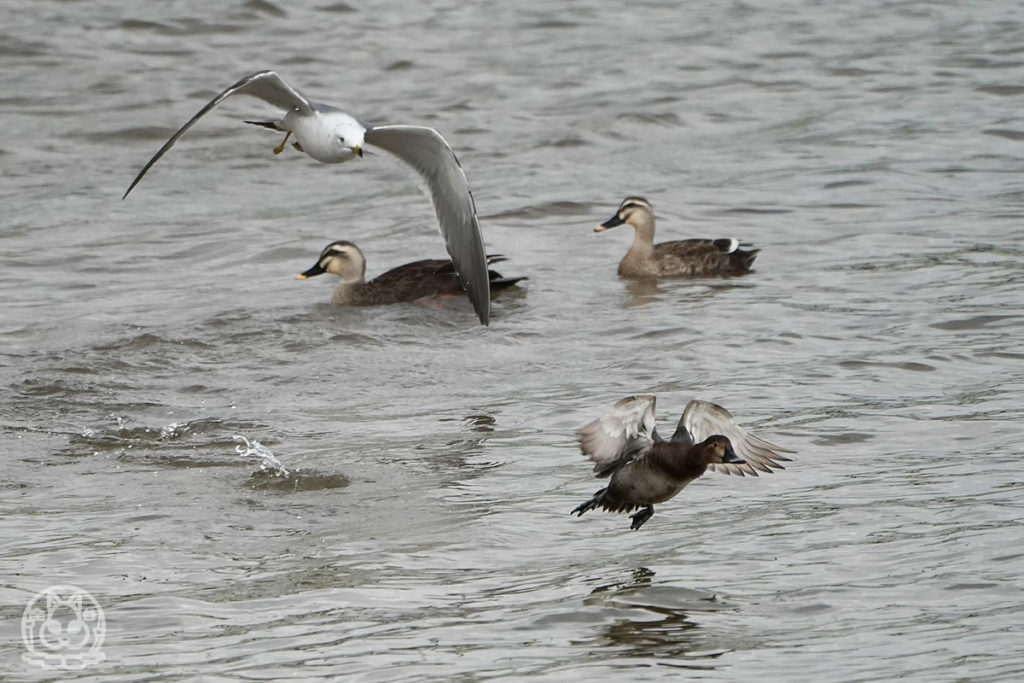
623	433
433	159
266	85
703	419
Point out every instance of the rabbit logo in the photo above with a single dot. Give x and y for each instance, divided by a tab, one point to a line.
63	627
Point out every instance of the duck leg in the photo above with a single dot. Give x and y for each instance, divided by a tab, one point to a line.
640	517
589	505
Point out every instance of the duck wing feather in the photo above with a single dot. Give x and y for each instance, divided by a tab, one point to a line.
623	433
702	419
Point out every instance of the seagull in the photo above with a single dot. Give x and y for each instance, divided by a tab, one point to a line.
330	135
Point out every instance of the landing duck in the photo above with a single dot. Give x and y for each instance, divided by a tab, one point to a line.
682	258
432	277
645	469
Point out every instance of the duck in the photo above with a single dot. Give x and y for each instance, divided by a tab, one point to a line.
644	469
430	277
679	259
332	136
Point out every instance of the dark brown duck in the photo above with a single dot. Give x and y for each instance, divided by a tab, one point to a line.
433	277
682	258
645	469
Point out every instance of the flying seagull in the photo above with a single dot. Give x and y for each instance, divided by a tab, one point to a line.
330	135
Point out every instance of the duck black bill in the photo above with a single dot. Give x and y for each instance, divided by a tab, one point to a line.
731	457
613	222
317	269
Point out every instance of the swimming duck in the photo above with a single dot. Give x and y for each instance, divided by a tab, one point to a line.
329	135
683	258
411	281
645	469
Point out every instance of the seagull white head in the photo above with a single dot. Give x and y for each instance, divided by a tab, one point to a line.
349	133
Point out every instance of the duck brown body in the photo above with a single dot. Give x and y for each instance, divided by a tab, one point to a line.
680	258
661	473
411	281
408	282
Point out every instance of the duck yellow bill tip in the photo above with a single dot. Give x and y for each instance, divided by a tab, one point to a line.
358	151
300	276
599	228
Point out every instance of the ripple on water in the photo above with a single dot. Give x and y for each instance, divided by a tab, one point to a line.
422	529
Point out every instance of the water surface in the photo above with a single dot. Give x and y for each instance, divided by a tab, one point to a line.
872	151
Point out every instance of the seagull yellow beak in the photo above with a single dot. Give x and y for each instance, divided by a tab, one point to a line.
358	151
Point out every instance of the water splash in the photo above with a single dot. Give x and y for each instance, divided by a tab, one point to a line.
173	430
267	461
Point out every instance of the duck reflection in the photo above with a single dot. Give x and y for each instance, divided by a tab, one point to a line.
643	292
463	457
480	423
653	620
639	577
649	290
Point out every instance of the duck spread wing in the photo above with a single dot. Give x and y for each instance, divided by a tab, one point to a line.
265	85
703	419
623	433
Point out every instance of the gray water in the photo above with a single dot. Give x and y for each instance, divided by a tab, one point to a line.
872	150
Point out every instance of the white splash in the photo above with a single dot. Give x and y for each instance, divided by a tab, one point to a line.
254	449
172	430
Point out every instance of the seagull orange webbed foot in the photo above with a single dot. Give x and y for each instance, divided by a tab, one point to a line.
280	148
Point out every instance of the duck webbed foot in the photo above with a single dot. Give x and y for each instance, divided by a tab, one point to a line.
589	505
280	148
640	517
